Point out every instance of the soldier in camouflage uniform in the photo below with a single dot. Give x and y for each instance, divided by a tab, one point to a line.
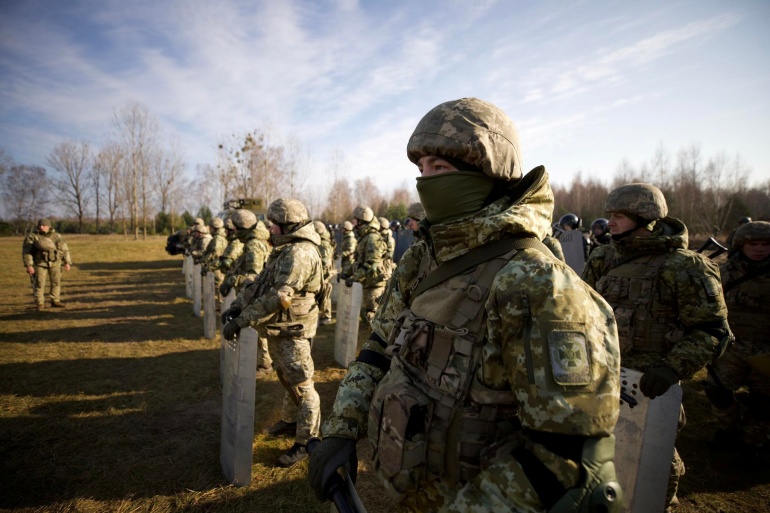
325	301
369	268
491	379
43	253
252	233
233	250
282	303
741	222
745	425
414	214
346	251
214	250
201	239
668	302
390	244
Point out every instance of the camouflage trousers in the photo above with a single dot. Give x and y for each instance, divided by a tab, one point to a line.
677	469
326	301
53	275
742	405
301	403
263	354
369	301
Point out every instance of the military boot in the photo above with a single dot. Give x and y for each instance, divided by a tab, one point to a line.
293	456
57	304
282	428
40	307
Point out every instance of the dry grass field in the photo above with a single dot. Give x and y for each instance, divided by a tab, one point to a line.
113	404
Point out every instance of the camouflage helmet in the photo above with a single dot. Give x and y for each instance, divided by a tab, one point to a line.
200	229
473	131
347	226
751	231
364	214
384	223
287	211
320	228
199	221
638	199
228	224
44	222
217	223
415	211
243	219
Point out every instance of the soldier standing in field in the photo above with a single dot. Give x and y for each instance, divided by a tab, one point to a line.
668	302
215	249
369	268
325	301
229	256
43	254
390	244
491	379
346	250
414	214
201	239
252	233
745	425
282	303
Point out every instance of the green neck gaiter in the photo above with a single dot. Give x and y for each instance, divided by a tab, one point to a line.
450	196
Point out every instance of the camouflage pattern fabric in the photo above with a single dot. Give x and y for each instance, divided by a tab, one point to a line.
46	252
516	353
346	252
748	304
233	250
327	252
638	199
256	250
214	250
198	247
369	267
554	245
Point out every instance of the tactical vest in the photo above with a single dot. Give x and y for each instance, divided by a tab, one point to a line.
45	251
430	416
631	285
748	304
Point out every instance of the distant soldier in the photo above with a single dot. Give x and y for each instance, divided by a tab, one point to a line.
746	284
346	251
600	233
256	249
369	267
390	243
668	302
282	304
325	301
570	222
230	255
43	254
201	239
415	213
215	249
741	222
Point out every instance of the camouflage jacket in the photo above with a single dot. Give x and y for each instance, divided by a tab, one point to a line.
293	274
369	267
346	251
532	297
231	253
748	301
667	299
214	250
256	250
326	255
45	249
390	243
199	246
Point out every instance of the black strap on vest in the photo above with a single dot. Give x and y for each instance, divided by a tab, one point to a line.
478	256
547	487
746	277
615	262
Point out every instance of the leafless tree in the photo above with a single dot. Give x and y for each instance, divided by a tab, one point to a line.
109	167
72	182
24	193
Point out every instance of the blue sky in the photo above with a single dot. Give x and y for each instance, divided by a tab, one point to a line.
587	83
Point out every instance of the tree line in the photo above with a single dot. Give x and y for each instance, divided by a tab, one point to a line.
137	183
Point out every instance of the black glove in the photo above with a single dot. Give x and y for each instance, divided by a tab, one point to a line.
657	380
230	330
349	282
224	288
332	453
230	313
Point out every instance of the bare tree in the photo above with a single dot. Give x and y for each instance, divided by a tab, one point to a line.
24	193
71	162
109	166
296	167
367	193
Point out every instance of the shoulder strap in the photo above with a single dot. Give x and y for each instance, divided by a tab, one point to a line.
615	262
478	256
746	277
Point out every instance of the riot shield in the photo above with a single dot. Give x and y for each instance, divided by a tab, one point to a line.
228	299
238	390
196	290
348	315
209	307
644	444
404	239
188	277
574	252
335	282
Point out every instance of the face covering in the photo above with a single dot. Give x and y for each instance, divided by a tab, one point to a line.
450	196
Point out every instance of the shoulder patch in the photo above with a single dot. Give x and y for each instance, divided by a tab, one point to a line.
569	357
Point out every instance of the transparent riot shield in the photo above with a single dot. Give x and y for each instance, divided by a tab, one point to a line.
348	315
209	307
188	277
644	444
196	297
574	252
238	390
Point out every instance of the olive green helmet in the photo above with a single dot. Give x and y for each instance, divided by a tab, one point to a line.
228	224
473	131
243	219
364	214
754	230
217	223
320	228
638	199
415	211
384	223
287	211
347	226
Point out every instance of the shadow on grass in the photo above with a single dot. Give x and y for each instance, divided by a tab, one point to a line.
139	430
90	267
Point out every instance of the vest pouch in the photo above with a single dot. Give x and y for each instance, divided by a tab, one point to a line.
45	244
399	418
